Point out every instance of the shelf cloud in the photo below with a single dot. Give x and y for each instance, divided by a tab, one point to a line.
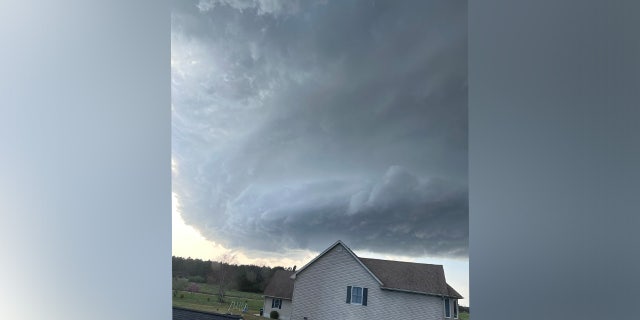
296	123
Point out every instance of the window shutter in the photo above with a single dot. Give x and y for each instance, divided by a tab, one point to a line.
364	296
348	294
280	304
447	308
455	308
273	302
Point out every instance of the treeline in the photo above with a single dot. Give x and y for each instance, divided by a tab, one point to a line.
248	278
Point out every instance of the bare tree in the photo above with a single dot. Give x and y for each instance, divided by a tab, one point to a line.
221	267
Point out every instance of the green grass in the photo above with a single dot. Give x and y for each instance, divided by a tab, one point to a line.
209	302
213	289
463	316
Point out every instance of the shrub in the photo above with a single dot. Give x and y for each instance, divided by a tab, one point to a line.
274	314
181	296
179	283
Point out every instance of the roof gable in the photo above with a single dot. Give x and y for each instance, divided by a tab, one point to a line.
337	243
280	285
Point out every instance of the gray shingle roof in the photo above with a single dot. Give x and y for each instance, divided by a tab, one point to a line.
188	314
409	276
453	293
280	285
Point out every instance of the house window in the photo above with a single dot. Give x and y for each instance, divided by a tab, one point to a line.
357	295
455	308
447	308
276	304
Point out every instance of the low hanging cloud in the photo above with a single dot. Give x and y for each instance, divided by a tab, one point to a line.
309	122
273	7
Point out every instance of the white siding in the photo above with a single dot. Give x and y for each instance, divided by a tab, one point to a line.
320	293
284	313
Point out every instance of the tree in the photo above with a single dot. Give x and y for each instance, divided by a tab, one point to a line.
222	269
179	283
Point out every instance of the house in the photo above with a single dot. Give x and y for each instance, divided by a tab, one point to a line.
277	294
188	314
337	284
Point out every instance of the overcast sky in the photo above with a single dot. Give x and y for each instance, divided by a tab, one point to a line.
297	123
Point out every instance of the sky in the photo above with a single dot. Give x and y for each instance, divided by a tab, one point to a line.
298	123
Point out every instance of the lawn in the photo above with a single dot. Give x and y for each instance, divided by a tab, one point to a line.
213	289
206	300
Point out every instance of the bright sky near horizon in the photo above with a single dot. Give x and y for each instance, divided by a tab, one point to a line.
298	123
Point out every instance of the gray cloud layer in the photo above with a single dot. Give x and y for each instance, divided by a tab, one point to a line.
297	123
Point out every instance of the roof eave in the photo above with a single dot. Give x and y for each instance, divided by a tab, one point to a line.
420	292
266	295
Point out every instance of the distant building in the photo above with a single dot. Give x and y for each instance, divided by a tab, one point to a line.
277	294
337	284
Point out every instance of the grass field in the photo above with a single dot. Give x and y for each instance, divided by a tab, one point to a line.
207	300
213	289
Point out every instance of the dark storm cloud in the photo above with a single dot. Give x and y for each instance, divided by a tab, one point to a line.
297	123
